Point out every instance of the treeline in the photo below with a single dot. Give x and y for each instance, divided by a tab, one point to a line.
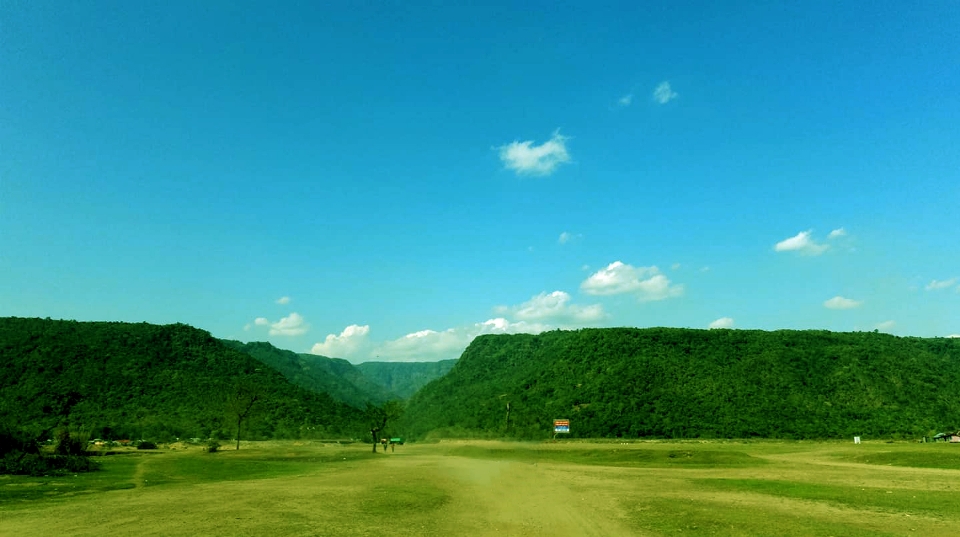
123	380
681	383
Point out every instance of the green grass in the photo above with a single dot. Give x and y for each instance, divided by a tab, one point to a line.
944	503
411	496
705	517
442	489
157	468
198	467
116	473
684	457
943	456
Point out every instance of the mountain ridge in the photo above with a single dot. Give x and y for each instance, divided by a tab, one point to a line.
684	383
139	380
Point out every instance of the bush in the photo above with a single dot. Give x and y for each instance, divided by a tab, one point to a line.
36	465
59	464
146	445
12	441
19	463
69	443
213	446
20	454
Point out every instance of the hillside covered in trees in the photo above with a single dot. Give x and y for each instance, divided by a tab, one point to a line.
404	378
681	383
334	376
123	380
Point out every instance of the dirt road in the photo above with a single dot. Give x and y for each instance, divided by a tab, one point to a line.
515	498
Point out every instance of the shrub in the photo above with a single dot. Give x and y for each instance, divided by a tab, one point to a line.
74	463
213	446
20	454
36	465
12	441
146	445
69	443
26	464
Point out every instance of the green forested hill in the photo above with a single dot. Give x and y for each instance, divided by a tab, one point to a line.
405	378
122	380
333	376
681	383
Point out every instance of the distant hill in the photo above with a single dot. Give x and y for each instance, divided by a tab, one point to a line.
405	378
680	383
123	380
334	376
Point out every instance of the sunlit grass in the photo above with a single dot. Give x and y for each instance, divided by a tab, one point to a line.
886	499
923	456
132	469
116	473
684	457
199	467
487	488
700	516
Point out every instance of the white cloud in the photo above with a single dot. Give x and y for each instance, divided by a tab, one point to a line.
841	303
619	278
676	266
626	100
566	237
291	325
283	300
722	322
664	93
554	306
886	326
954	336
348	344
425	345
839	232
428	345
936	285
354	344
524	158
261	321
801	242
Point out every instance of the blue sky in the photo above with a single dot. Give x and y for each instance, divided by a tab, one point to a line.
389	182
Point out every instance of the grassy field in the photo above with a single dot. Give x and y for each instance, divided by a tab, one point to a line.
498	488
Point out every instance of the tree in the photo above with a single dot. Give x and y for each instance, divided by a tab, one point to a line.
241	402
379	416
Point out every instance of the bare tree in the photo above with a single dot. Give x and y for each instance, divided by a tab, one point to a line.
241	403
379	416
